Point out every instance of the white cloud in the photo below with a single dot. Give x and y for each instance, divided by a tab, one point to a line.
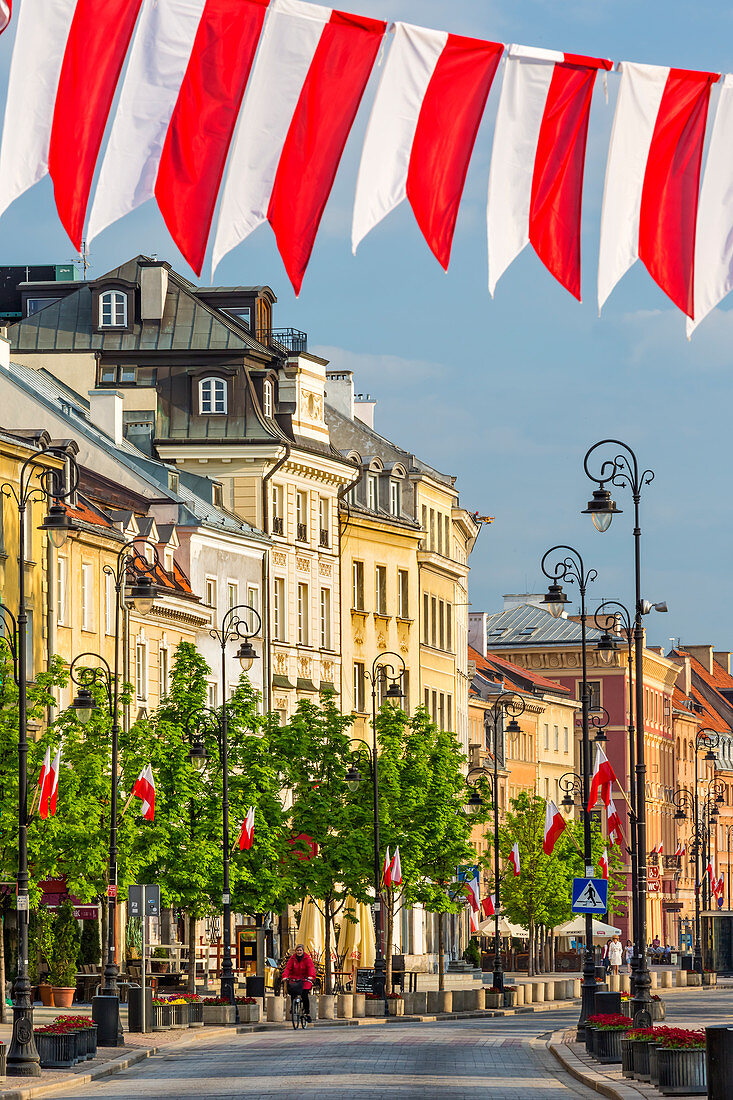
657	339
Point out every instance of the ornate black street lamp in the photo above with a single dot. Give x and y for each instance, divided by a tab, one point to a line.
507	703
687	805
133	571
388	671
572	568
238	624
36	482
622	470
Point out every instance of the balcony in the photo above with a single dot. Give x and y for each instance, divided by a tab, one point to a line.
323	539
301	533
291	341
278	527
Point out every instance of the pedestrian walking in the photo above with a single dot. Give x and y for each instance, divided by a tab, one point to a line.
615	954
628	955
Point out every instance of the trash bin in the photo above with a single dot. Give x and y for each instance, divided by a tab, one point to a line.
135	1009
607	1002
256	987
719	1060
688	962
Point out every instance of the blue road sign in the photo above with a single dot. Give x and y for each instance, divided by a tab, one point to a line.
590	895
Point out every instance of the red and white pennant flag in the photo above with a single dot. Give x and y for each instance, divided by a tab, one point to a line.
603	777
538	161
422	131
615	833
396	868
681	849
144	789
650	200
514	860
247	832
473	891
311	70
554	825
488	906
6	10
387	870
603	863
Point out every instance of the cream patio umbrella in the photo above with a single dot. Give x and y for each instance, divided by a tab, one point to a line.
367	940
312	928
349	933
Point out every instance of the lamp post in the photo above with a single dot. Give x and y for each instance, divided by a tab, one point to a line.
622	470
687	804
132	568
36	482
384	671
233	627
505	703
571	568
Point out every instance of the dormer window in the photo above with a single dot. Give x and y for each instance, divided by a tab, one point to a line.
394	497
113	309
372	492
212	396
267	399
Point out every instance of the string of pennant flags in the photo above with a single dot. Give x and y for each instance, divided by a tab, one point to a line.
248	104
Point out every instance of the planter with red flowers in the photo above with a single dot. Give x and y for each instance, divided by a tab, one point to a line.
681	1062
374	1005
396	1004
249	1010
195	1009
161	1014
609	1028
218	1012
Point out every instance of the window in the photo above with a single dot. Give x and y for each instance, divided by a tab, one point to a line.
34	305
232	594
380	589
163	671
441	712
141	670
441	624
440	533
426	618
243	314
29	644
168	560
594	693
278	606
446	540
449	626
87	596
425	526
394	498
403	593
359	693
432	529
323	524
566	738
556	731
302	614
357	580
113	309
301	516
253	601
110	597
62	574
211	592
212	396
278	512
267	398
547	737
433	621
372	492
449	719
211	695
325	618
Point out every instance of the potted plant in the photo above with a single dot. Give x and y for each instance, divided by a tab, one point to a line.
374	1005
395	1004
640	1039
56	1046
40	946
3	1059
249	1010
659	1009
709	977
64	954
179	1012
681	1062
494	997
161	1014
608	1030
510	996
195	1009
218	1012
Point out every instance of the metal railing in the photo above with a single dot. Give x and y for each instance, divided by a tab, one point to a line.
323	538
278	527
291	340
302	532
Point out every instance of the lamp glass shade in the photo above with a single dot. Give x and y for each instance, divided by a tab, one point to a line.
606	648
710	756
601	509
246	655
57	524
473	802
58	537
555	600
353	778
393	691
680	815
513	727
602	520
198	756
142	595
568	802
83	705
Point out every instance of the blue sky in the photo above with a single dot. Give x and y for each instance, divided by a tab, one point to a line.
508	394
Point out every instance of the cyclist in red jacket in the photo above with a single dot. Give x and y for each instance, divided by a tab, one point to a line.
300	968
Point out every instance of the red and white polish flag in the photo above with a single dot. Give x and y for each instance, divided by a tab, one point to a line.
488	906
156	66
603	777
247	832
6	10
603	863
307	82
659	848
615	832
144	789
538	161
554	825
44	782
387	870
396	869
681	849
514	860
473	891
650	199
67	59
53	794
422	131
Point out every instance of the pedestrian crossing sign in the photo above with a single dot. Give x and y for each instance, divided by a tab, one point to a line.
590	895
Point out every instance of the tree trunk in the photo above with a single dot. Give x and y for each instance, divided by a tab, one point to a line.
553	946
441	952
191	953
327	959
3	1007
530	949
389	918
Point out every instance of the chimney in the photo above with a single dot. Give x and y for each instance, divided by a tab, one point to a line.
722	658
703	653
340	391
153	290
4	350
105	412
477	630
364	408
684	677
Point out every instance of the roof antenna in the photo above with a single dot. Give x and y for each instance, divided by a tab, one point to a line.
84	262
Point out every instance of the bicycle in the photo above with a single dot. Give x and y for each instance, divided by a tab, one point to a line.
298	1015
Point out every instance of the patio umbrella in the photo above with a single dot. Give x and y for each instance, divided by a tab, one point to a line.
576	927
312	928
349	933
367	941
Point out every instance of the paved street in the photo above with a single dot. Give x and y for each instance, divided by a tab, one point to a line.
471	1059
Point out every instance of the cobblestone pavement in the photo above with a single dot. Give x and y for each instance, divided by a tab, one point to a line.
472	1059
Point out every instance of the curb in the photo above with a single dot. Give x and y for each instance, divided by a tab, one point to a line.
592	1080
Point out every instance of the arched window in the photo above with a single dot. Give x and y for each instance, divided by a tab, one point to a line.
113	309
267	398
212	396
